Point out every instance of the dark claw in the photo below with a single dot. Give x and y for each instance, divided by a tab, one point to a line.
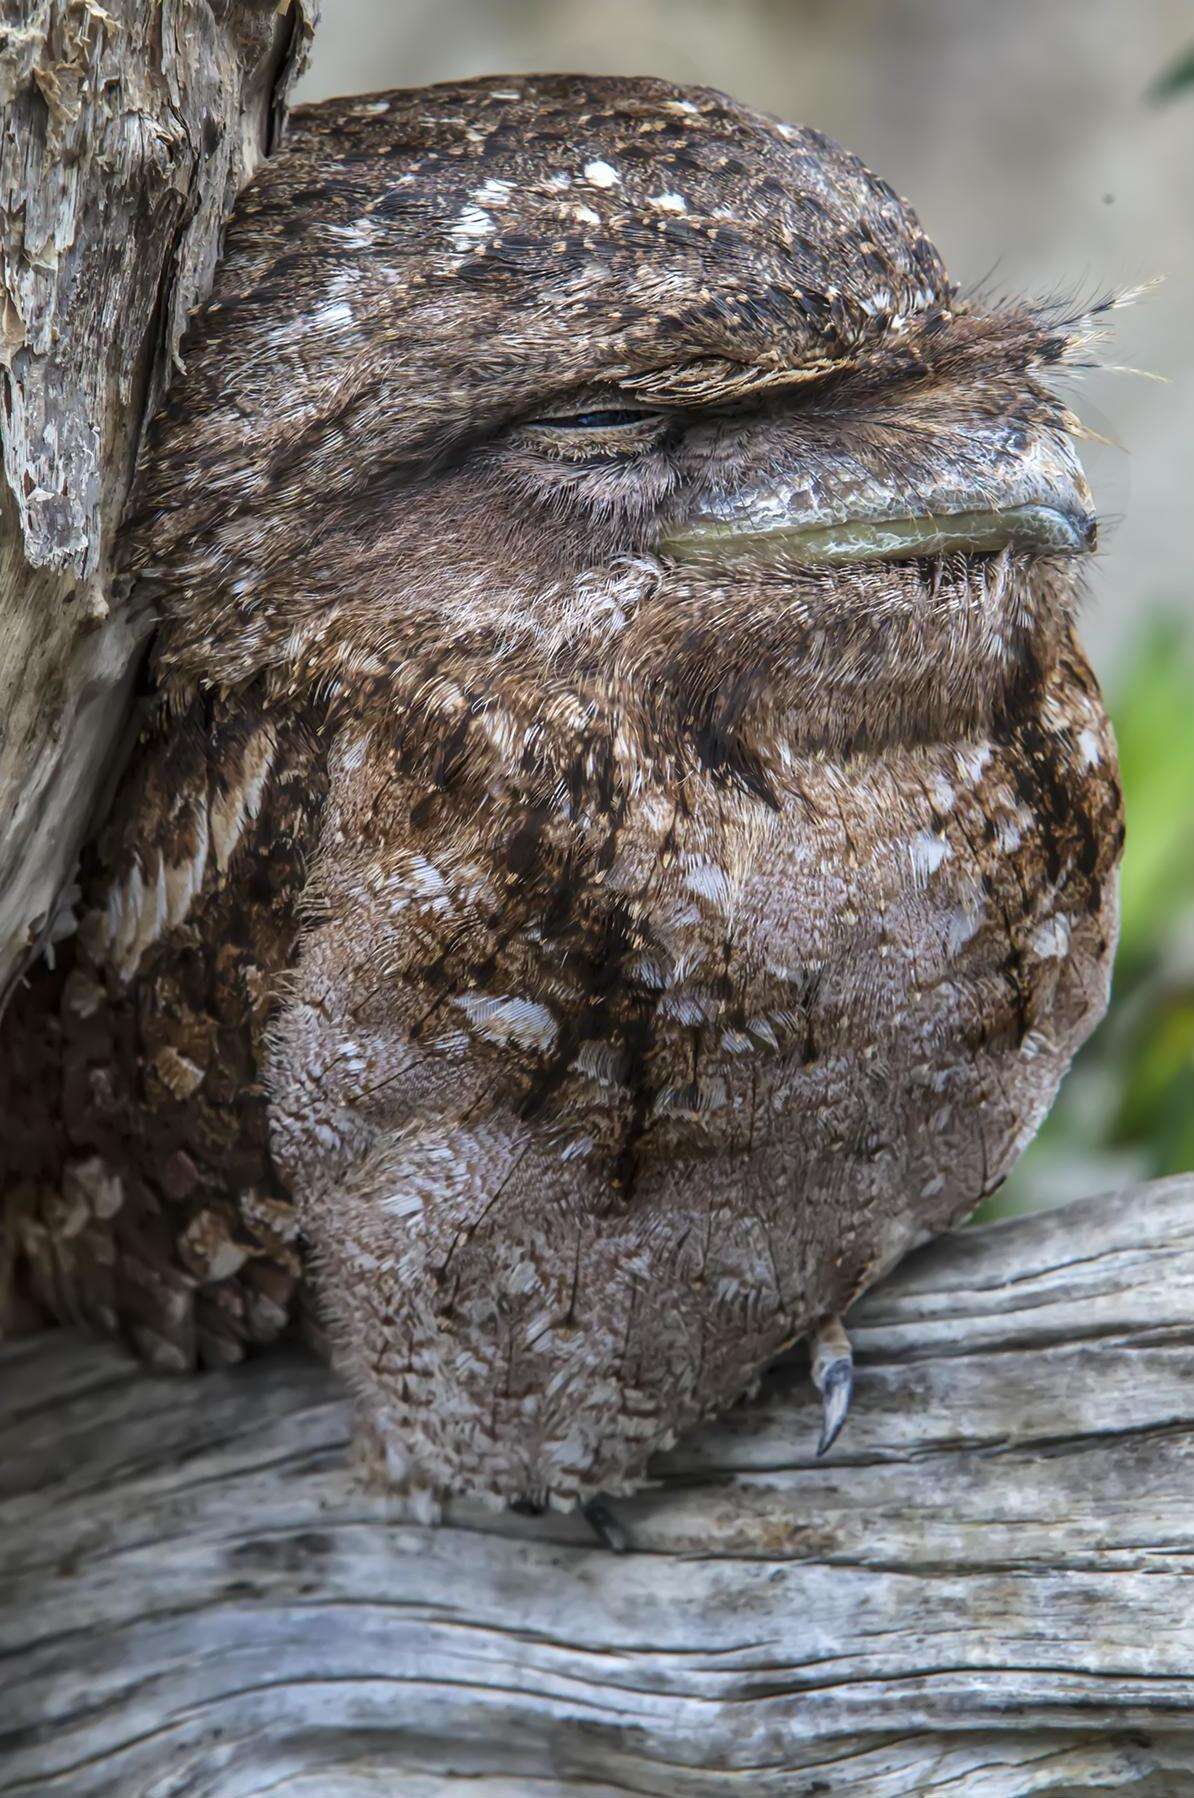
835	1402
833	1376
605	1525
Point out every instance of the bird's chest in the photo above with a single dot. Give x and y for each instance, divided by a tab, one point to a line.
775	937
893	937
896	935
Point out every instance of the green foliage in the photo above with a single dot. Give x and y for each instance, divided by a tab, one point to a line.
1174	79
1127	1109
1154	726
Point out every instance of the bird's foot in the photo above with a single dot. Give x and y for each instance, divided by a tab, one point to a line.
597	1513
833	1376
605	1525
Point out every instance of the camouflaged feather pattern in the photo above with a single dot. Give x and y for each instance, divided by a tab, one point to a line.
591	970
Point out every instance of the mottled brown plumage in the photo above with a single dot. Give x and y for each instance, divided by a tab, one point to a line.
609	954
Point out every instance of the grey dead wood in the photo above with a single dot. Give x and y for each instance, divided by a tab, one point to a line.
126	131
986	1589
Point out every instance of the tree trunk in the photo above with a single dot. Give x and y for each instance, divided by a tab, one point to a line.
983	1591
126	130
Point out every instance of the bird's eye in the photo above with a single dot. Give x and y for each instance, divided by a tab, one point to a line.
591	421
596	434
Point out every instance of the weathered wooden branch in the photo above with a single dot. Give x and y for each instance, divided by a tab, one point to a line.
987	1589
126	130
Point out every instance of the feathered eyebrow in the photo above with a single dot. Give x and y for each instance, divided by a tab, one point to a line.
712	380
1071	336
1026	336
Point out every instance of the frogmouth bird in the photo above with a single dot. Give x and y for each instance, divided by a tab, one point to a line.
622	841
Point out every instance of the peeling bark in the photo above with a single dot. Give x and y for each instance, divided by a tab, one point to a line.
982	1592
126	131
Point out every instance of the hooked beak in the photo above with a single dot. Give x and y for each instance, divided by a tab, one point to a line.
1037	501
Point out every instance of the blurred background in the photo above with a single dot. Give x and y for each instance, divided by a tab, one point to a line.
1049	149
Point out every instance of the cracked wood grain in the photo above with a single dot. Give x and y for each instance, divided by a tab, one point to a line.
984	1590
126	131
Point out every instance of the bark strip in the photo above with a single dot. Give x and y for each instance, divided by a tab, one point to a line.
126	131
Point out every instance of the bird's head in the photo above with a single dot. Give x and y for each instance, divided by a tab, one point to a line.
560	394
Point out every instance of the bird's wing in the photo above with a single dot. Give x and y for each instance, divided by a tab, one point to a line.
158	1214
